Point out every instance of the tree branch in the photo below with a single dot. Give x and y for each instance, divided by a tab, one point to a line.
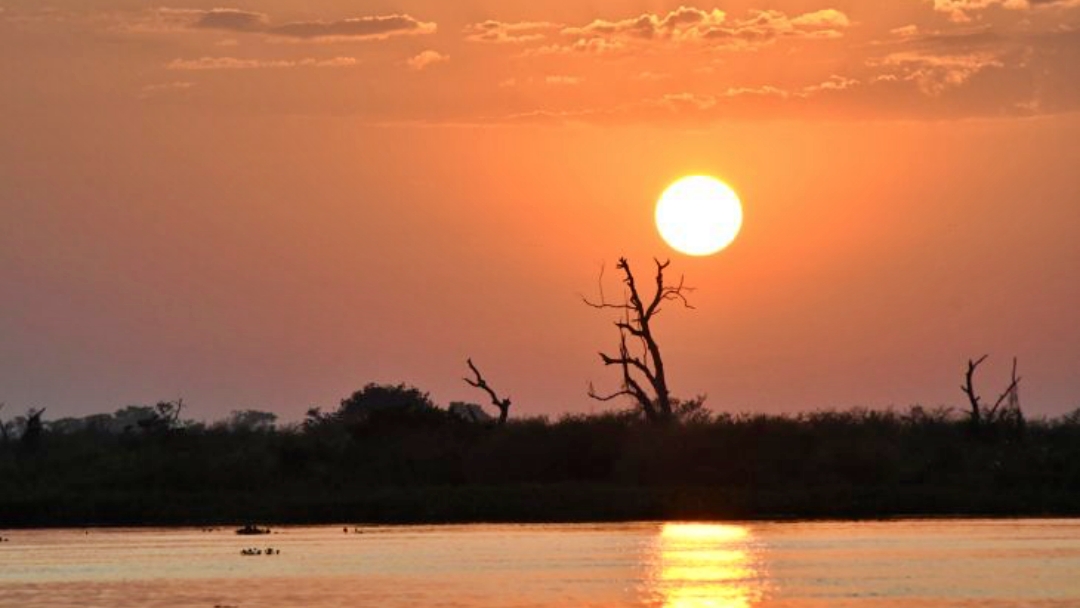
502	404
969	388
1010	390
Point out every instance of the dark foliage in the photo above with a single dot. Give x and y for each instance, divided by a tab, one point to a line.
389	455
382	407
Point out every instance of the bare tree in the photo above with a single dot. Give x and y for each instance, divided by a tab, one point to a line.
502	404
643	375
31	434
980	414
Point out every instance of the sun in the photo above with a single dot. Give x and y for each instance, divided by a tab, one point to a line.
699	215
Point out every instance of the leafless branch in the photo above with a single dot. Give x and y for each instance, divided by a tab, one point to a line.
594	395
969	388
1009	391
994	414
636	322
502	404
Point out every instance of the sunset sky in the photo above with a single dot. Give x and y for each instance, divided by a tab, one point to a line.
268	204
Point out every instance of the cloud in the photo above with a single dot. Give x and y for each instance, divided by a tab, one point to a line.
152	90
906	31
555	80
960	11
680	24
157	20
498	32
426	59
596	46
696	107
823	19
936	62
935	73
682	101
233	63
231	19
689	25
763	27
378	27
373	27
651	76
558	80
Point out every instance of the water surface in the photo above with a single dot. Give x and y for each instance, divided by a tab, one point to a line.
971	563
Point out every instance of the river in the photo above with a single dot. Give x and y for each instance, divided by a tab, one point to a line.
908	563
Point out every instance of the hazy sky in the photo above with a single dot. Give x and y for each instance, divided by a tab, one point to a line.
268	204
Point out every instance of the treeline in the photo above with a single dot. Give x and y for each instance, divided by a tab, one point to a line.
388	454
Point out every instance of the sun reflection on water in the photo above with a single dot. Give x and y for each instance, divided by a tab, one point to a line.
706	566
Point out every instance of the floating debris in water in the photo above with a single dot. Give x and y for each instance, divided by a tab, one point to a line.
252	530
258	551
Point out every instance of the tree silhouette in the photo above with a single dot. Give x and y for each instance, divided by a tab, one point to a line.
31	435
502	404
387	405
643	375
981	415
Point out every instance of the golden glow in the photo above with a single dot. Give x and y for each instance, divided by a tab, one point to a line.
706	566
699	215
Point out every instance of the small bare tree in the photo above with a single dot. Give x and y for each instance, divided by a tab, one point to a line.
502	404
643	375
982	415
32	429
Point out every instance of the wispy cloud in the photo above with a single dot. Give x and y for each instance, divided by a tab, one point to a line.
426	59
554	80
234	63
962	11
500	32
689	25
153	90
378	27
370	27
935	73
231	19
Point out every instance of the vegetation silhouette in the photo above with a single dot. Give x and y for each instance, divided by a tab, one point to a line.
1004	416
502	405
388	454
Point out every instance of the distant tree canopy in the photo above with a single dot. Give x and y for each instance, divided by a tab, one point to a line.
250	421
401	459
388	405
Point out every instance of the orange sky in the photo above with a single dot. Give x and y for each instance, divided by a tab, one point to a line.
270	204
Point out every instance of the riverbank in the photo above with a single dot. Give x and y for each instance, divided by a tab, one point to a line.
830	465
554	503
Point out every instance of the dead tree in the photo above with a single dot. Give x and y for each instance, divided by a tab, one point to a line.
502	404
643	375
32	430
981	415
